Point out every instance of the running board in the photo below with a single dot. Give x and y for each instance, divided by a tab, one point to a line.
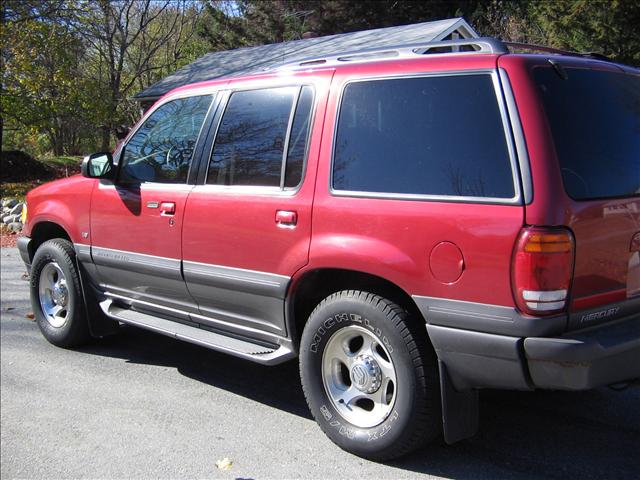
193	334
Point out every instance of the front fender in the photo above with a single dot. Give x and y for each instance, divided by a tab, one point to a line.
66	203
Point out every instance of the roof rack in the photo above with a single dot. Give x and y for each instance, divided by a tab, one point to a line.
555	51
469	45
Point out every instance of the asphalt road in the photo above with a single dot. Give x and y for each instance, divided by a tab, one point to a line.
140	405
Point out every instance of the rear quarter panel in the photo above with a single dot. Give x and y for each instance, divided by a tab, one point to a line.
392	238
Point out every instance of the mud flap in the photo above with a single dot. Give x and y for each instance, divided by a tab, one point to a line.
460	410
99	324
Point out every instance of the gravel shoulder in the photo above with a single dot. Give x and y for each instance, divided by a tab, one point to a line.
146	406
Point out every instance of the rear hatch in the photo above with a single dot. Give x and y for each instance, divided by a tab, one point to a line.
594	118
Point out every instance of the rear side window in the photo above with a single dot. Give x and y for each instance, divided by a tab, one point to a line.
595	122
439	136
298	139
262	138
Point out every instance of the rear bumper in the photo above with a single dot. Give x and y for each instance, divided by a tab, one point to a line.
579	360
23	244
605	355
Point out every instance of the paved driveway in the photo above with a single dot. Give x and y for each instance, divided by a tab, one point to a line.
146	406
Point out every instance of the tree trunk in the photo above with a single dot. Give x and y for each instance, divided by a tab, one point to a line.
106	138
58	145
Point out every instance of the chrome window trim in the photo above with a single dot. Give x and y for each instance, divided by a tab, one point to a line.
199	92
224	100
147	186
515	200
244	189
287	136
520	142
305	160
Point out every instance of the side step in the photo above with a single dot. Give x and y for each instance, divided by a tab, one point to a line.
215	341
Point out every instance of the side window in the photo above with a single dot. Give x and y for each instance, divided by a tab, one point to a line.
298	139
162	148
423	136
250	144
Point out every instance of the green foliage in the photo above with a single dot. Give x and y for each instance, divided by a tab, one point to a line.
70	67
228	25
41	81
609	27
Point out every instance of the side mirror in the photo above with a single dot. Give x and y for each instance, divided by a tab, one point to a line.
97	165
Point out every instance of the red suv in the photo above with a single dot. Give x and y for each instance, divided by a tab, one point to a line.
413	224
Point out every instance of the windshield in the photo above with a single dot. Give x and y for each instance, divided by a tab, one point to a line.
595	122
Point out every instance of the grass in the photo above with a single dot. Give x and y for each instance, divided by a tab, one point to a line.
64	160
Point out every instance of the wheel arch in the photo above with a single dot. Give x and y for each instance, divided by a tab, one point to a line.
314	285
43	231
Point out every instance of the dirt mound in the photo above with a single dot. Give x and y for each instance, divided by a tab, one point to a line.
17	166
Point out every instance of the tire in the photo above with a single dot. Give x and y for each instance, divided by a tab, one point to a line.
56	295
370	376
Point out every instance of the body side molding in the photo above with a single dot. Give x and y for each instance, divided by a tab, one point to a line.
481	317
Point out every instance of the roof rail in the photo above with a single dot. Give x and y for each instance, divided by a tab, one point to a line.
556	51
413	50
468	45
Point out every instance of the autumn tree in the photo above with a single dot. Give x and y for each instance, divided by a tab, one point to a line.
41	79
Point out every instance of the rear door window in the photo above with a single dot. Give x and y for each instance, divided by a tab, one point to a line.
262	138
595	122
434	136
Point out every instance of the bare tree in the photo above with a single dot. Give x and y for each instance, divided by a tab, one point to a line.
125	38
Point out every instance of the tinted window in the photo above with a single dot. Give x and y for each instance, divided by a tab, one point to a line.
595	122
298	139
162	148
433	136
250	141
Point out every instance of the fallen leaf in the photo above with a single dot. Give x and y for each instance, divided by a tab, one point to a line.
224	464
30	316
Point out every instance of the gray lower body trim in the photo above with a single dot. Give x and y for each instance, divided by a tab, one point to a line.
246	298
480	317
249	281
137	262
147	278
242	302
598	356
480	360
523	360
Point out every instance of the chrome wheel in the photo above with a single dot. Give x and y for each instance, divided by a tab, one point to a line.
54	294
359	376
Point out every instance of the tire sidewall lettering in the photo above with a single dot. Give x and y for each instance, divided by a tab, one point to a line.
328	415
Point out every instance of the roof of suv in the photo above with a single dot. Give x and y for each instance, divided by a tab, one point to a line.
458	48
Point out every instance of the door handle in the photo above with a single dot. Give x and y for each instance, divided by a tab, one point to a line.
167	208
286	218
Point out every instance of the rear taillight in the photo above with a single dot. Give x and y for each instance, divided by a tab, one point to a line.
542	269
